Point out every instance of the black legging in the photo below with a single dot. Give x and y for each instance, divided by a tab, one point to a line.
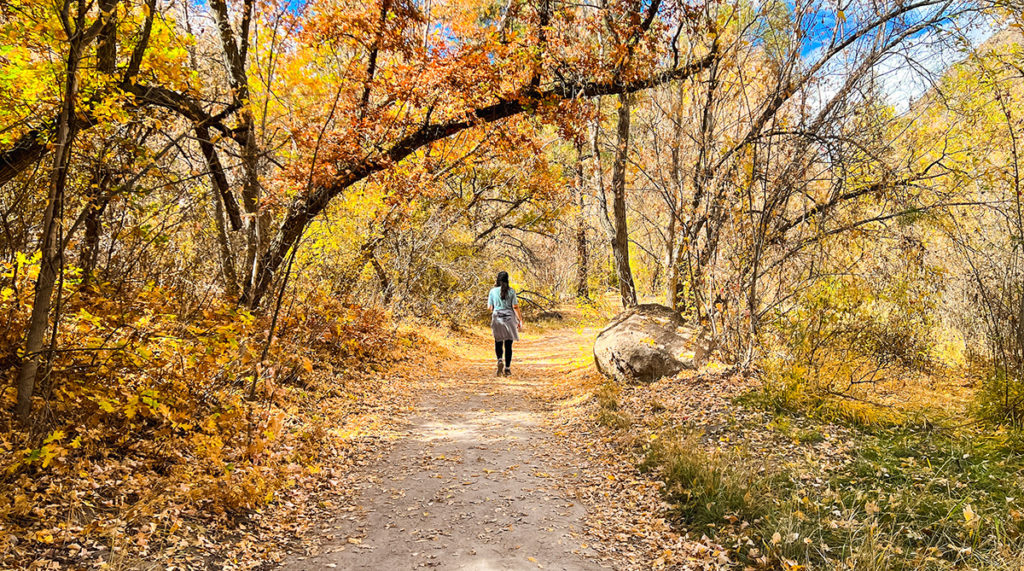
508	351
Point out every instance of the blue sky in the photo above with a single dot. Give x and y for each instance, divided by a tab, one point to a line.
906	76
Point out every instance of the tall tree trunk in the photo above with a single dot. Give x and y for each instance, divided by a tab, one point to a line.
582	252
52	246
671	267
227	259
673	245
620	241
90	247
602	195
257	222
235	47
106	46
223	203
106	63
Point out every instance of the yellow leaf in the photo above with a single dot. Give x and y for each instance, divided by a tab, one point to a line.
55	435
969	515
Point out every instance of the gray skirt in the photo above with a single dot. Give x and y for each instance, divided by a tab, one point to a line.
503	325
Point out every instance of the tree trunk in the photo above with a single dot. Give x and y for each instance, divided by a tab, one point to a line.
90	248
674	244
582	253
602	195
257	222
223	203
671	267
52	247
227	259
106	63
620	241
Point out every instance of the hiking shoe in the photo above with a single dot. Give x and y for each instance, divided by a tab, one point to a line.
508	371
501	369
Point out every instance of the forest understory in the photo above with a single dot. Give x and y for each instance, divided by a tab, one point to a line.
707	470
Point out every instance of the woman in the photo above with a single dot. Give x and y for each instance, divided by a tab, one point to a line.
506	321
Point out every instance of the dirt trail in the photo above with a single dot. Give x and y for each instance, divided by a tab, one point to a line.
472	482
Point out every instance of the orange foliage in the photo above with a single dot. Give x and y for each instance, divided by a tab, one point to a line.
153	423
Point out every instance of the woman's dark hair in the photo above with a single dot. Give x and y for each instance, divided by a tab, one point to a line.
503	283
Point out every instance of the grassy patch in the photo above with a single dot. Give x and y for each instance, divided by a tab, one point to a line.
794	400
831	483
905	500
784	425
614	419
707	489
608	413
608	396
1001	399
911	500
825	482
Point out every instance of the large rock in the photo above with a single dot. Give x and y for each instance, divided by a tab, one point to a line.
648	342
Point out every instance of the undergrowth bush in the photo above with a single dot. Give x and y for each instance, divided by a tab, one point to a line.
843	337
848	331
148	416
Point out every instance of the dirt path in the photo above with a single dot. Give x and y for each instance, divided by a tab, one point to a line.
472	482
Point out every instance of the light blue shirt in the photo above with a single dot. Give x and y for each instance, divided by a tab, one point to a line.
494	299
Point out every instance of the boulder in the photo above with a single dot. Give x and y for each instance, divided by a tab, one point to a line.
647	342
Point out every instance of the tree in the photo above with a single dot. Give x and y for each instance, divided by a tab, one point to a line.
403	140
81	33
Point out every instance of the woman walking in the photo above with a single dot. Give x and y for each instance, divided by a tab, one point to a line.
506	321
